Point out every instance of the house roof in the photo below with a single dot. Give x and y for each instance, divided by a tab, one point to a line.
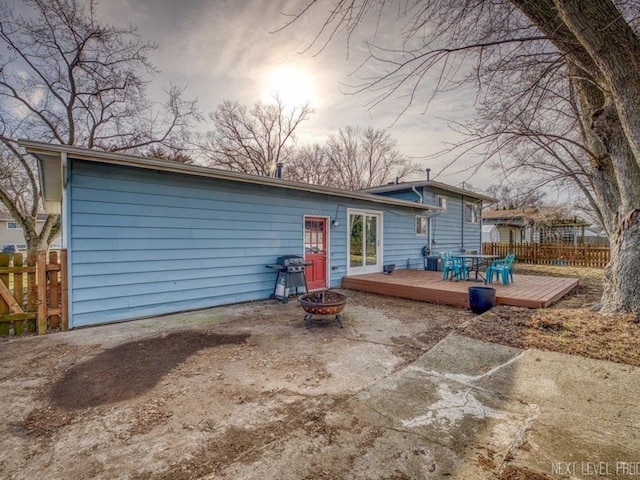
392	187
52	166
508	214
522	216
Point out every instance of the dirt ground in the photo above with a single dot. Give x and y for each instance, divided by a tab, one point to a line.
247	392
570	326
209	396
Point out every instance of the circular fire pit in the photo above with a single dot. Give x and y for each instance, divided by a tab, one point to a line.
322	303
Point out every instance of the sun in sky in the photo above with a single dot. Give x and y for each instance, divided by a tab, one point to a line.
294	85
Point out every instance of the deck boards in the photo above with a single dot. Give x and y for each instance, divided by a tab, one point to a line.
532	291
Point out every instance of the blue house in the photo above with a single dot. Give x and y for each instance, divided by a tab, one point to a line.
148	236
456	226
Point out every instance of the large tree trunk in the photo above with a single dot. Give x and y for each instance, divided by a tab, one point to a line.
603	57
616	181
622	275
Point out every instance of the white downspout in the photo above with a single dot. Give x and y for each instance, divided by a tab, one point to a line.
417	193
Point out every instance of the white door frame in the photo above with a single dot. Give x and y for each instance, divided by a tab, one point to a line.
367	268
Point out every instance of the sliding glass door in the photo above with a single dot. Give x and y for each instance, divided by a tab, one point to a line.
365	242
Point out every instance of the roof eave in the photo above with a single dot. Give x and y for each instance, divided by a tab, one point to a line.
430	183
47	152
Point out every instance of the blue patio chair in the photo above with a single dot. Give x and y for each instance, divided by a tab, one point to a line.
502	268
453	267
447	264
461	268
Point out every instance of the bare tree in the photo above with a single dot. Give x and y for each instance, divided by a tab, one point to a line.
365	158
66	78
592	45
253	140
515	195
179	156
311	164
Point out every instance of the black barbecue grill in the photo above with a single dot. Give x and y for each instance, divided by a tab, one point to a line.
290	275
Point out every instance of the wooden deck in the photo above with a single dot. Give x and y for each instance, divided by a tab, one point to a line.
525	291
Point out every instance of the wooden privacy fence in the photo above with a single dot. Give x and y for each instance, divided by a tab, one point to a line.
33	297
580	255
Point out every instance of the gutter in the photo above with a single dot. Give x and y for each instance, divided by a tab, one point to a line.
40	149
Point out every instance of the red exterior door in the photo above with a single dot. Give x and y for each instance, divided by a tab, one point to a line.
315	248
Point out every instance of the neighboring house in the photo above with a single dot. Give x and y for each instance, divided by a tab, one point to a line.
457	227
147	236
11	233
536	225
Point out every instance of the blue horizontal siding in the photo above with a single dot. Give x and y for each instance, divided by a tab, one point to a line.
402	246
405	194
449	230
147	243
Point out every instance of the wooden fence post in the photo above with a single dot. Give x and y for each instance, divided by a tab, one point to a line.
54	291
41	272
64	291
18	280
4	307
32	287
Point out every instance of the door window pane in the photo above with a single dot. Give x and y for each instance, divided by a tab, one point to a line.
356	240
372	240
314	236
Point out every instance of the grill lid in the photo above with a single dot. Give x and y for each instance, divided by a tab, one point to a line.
290	260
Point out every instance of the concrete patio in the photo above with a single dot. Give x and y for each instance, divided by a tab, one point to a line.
387	397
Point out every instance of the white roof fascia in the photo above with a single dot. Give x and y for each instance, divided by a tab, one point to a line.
429	183
46	153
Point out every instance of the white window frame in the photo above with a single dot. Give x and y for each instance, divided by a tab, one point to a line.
475	212
442	202
426	226
14	227
380	251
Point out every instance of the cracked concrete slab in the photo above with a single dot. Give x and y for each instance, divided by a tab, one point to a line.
438	398
588	422
482	406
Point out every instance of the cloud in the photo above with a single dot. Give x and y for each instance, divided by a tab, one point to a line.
226	49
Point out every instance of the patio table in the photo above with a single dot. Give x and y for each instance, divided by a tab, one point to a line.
476	260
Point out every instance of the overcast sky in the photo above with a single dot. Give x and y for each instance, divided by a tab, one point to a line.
226	50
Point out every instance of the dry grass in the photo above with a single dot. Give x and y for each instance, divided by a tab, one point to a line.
570	326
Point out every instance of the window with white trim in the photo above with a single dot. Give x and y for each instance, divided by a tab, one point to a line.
422	225
13	226
442	203
471	212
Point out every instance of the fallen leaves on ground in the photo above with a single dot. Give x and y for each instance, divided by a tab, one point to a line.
571	326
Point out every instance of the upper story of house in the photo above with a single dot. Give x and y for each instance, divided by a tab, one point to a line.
458	226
